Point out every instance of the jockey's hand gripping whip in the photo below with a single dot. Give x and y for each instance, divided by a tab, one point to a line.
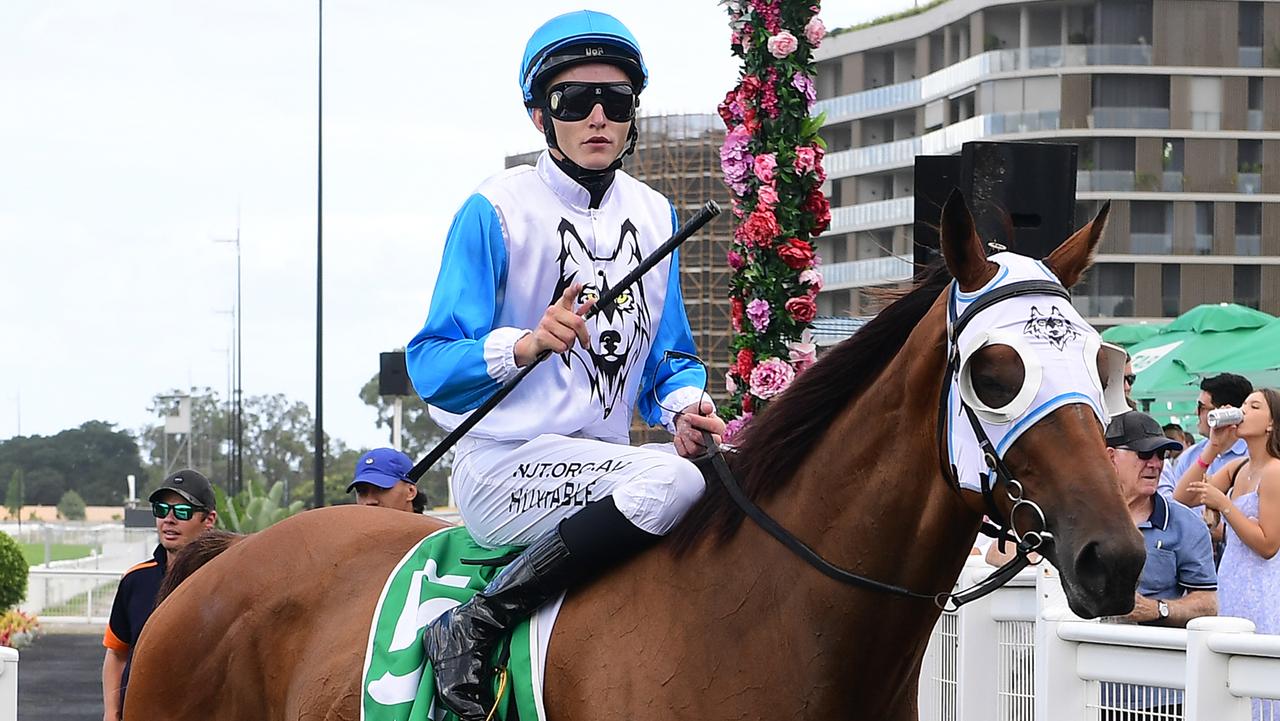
710	210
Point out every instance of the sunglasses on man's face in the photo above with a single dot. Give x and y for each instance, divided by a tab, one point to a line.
1148	455
571	102
181	511
1130	378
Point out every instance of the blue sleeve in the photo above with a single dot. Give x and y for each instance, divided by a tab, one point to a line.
446	359
1195	558
661	379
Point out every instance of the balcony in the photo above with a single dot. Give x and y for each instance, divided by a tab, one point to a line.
972	70
1104	180
1254	121
1103	306
1250	183
1201	120
867	216
862	273
1250	57
1248	244
1151	243
1171	181
1203	244
1129	118
902	153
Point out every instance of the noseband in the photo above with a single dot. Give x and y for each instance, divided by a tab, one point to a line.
1024	542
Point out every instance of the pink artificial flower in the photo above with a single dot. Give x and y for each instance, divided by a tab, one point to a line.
735	161
812	278
804	352
764	165
768	195
815	31
806	159
782	44
771	377
735	426
730	384
735	260
758	314
804	84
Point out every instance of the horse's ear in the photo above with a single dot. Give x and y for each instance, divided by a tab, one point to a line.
1070	260
961	246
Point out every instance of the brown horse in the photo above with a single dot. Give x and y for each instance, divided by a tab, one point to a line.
720	621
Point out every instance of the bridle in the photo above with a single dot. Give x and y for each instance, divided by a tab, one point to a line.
999	474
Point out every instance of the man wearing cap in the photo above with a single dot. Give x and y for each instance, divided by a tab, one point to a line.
382	479
1178	582
184	507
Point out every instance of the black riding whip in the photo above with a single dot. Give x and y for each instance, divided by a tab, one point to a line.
709	210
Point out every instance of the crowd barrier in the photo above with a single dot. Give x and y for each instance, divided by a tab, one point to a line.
1019	654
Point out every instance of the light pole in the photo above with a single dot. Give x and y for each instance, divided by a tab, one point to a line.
319	458
235	483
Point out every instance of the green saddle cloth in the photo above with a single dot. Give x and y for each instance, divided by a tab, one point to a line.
397	684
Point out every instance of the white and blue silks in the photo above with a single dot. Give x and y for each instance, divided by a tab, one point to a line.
524	236
1059	353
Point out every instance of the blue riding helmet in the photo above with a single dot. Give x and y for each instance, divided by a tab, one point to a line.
582	36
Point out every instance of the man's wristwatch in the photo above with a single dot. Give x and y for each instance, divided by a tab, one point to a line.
1162	608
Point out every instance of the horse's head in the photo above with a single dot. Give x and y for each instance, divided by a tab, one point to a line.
1027	379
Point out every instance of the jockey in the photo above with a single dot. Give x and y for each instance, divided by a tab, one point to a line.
525	258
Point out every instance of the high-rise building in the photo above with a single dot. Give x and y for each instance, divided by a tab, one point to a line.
1174	104
679	156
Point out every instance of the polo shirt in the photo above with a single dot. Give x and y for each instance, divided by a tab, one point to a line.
1174	470
135	600
1179	552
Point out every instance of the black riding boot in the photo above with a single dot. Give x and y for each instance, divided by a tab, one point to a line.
460	642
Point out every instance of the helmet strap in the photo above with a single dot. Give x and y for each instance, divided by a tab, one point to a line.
596	182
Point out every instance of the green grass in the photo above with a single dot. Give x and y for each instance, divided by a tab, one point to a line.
890	18
34	552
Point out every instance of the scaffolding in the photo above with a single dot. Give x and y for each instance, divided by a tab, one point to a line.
679	156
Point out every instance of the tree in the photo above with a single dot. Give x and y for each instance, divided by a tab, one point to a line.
71	506
13	500
421	434
13	573
92	460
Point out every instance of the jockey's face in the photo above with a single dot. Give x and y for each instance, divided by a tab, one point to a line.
175	534
595	141
400	496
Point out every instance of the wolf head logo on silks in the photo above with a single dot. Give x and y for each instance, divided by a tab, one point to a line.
620	333
1052	327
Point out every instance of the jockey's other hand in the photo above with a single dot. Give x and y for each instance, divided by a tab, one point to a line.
559	327
691	422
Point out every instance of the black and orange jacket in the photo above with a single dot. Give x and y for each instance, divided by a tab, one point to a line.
135	600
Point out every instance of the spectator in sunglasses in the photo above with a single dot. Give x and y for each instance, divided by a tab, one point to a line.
1178	582
1227	389
526	259
184	507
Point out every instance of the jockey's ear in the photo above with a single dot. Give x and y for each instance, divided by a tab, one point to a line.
961	246
1070	260
536	117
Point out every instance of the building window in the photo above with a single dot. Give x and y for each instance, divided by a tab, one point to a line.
1248	285
1250	31
1125	22
1149	224
1206	103
1106	291
1203	244
1248	228
1170	290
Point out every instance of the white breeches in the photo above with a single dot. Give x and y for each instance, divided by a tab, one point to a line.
514	492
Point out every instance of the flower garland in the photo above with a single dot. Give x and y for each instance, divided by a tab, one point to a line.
772	163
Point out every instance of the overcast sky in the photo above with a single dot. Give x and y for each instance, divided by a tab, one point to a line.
136	133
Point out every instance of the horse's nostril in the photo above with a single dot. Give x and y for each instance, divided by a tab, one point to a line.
1091	572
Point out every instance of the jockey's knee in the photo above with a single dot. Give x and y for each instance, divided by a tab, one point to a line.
656	501
687	486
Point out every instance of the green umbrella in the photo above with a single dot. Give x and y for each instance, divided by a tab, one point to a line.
1131	334
1164	362
1258	357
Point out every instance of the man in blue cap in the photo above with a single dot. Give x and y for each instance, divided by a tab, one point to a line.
382	479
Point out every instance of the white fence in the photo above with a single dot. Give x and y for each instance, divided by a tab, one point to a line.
8	684
62	595
1020	655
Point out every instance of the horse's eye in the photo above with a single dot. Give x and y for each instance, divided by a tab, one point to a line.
997	375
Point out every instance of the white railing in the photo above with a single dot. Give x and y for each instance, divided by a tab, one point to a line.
8	684
70	596
866	216
1020	655
862	273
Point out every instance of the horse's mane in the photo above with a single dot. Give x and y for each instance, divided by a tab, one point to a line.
772	446
194	555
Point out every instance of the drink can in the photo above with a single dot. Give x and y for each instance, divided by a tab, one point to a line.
1225	417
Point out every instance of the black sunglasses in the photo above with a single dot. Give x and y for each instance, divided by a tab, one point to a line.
181	511
571	102
1148	455
1130	378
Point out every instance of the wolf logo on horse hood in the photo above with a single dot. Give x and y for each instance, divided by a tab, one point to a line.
619	334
